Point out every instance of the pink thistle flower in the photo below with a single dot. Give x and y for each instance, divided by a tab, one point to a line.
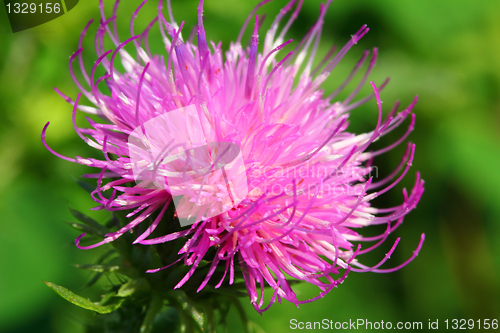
306	178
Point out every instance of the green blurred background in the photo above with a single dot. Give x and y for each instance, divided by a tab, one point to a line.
447	52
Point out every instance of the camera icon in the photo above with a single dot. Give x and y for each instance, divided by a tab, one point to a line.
178	152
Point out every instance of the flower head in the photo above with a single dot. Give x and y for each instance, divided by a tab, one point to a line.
257	160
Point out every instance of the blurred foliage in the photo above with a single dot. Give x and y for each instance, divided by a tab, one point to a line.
446	52
145	302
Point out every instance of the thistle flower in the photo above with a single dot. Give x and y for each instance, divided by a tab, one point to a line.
302	187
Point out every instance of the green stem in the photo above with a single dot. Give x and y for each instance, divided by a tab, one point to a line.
246	324
209	318
154	307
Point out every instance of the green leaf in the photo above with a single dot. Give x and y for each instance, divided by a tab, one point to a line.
88	221
81	301
153	309
86	186
97	276
100	268
208	310
229	292
105	256
188	306
107	297
128	271
132	287
86	229
92	281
